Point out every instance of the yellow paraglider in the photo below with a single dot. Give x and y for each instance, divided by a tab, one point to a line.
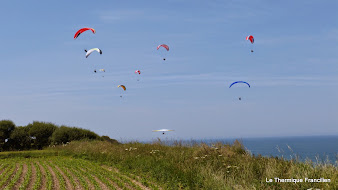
122	86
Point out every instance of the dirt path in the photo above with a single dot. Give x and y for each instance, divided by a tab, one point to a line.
56	183
33	178
69	185
22	176
43	177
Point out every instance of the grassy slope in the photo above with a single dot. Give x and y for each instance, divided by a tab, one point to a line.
194	167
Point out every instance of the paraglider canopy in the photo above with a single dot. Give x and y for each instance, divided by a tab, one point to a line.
164	46
239	82
92	50
250	38
77	34
122	86
163	130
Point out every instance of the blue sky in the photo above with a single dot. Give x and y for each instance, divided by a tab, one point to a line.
293	71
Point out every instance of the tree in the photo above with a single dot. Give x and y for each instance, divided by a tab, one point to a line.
20	139
6	128
66	134
41	133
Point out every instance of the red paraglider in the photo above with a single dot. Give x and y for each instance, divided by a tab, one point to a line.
251	38
163	45
77	34
163	53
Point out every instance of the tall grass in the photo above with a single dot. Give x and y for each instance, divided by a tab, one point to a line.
199	166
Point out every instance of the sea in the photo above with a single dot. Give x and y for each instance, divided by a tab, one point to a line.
318	149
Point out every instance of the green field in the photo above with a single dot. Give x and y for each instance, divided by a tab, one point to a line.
59	172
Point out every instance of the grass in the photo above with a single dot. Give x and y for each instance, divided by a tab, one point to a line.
159	166
221	166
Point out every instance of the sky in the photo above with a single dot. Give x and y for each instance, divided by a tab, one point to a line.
293	71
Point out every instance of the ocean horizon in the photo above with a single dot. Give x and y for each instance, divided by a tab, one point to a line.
318	149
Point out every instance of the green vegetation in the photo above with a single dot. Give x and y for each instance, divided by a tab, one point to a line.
97	162
38	135
221	166
100	165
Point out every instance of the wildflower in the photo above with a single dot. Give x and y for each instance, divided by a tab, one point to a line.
220	155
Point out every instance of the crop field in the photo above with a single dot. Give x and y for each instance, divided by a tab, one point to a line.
57	172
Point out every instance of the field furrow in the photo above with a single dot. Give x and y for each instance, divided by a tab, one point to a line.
65	173
63	179
35	182
101	184
7	174
134	179
27	176
75	181
137	183
15	177
3	167
55	178
45	179
81	177
22	177
69	180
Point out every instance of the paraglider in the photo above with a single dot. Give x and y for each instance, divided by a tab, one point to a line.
91	51
138	72
251	39
123	87
101	71
163	130
77	34
238	82
165	47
